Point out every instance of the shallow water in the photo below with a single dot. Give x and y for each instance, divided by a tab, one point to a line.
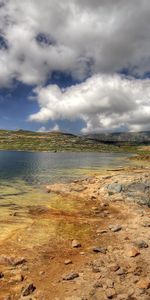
23	176
39	167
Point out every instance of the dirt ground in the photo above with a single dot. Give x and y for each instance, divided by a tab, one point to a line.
99	251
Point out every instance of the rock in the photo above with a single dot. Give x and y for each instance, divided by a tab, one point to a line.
114	267
70	276
101	231
122	297
28	290
133	252
109	283
1	275
8	297
97	285
76	244
110	293
115	228
68	262
143	283
96	269
16	278
8	260
136	187
114	188
99	250
146	224
121	272
141	244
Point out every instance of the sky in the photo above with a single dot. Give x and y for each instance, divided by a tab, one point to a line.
79	66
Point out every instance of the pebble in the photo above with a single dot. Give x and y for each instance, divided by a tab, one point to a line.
122	297
101	231
133	252
68	262
110	292
99	250
8	260
1	275
143	283
120	272
16	278
70	276
114	267
115	228
76	244
141	244
109	283
28	290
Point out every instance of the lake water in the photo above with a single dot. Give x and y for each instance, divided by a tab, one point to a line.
23	177
43	168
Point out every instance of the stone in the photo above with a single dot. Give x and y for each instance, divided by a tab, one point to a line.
68	262
97	285
136	187
76	244
110	293
143	283
114	267
8	260
70	276
115	228
1	275
133	252
99	250
101	231
16	278
122	297
96	269
114	188
146	224
120	272
141	244
28	290
109	283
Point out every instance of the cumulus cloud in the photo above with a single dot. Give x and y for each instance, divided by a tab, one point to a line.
55	128
102	102
80	37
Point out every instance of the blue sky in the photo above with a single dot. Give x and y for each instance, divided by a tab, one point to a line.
77	66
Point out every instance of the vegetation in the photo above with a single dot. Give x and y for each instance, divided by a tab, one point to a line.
56	141
50	141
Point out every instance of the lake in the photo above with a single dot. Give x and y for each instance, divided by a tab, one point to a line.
45	167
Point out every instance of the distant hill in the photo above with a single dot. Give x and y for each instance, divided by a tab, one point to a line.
122	137
49	141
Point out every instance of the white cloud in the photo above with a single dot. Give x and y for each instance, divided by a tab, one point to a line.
85	37
81	38
55	128
102	102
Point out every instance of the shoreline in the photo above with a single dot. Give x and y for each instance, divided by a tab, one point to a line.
100	247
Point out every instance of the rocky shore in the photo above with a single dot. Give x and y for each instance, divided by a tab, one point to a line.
105	255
